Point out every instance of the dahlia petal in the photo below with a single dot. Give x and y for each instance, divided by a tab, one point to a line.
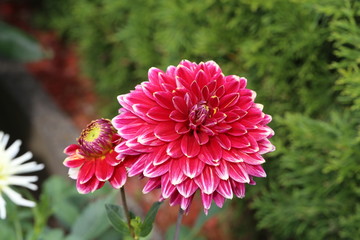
187	188
182	128
221	128
111	159
214	150
251	158
191	167
207	181
148	138
201	79
123	149
152	171
149	88
232	117
201	137
224	141
238	189
220	91
185	203
267	118
222	171
212	85
138	166
232	84
229	100
71	149
153	75
74	161
175	198
255	115
158	114
167	189
140	109
166	132
253	148
86	172
195	89
152	184
224	188
181	83
218	199
188	147
212	68
176	174
173	149
245	102
255	170
159	155
90	186
239	142
260	133
184	73
265	146
119	177
178	116
180	104
103	171
130	130
164	99
205	157
205	92
238	173
237	129
206	200
136	146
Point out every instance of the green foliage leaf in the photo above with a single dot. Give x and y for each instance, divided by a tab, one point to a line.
90	224
16	45
117	218
147	224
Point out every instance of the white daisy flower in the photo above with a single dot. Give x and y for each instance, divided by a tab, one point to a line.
10	167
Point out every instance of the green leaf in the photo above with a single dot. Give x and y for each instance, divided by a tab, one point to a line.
90	224
149	219
116	218
16	45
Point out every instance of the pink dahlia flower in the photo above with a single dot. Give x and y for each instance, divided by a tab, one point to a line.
192	128
93	160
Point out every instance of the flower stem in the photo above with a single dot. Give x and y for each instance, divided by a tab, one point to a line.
178	223
126	210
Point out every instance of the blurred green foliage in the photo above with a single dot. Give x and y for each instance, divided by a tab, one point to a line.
302	58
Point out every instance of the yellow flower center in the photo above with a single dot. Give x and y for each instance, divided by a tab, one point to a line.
92	133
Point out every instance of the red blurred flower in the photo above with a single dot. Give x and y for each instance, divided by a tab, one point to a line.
192	128
93	160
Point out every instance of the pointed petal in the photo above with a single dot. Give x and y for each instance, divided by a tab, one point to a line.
238	189
225	189
151	184
152	171
167	189
173	149
103	171
222	171
255	170
238	173
189	146
207	181
138	166
119	177
187	188
191	167
218	199
158	114
206	200
166	132
86	171
176	174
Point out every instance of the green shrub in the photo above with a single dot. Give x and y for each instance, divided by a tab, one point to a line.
301	56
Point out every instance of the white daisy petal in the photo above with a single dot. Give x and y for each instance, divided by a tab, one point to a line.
4	140
24	181
23	158
27	167
9	168
13	149
2	205
17	198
